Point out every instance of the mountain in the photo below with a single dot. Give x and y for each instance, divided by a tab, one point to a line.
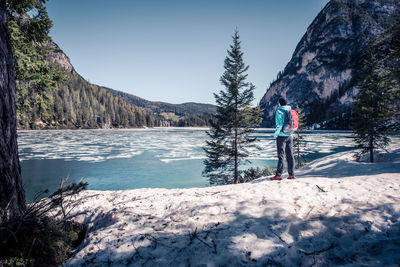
189	108
155	107
323	73
76	103
67	101
161	110
58	57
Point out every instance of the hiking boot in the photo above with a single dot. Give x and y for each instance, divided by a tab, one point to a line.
291	177
277	177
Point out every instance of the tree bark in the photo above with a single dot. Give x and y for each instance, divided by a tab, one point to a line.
12	194
371	150
236	173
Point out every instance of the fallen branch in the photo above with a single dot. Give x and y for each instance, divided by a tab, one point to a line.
280	238
152	239
202	241
11	234
320	189
317	252
195	235
30	249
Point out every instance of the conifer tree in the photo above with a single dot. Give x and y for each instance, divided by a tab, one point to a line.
233	122
299	141
392	64
370	112
12	194
35	75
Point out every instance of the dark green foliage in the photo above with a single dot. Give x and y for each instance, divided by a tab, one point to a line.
254	173
78	104
62	198
28	237
394	41
376	112
392	66
37	239
189	114
299	141
371	112
201	120
233	123
184	109
36	76
32	19
38	242
20	7
48	97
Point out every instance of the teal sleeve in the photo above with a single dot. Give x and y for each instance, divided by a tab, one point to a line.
279	119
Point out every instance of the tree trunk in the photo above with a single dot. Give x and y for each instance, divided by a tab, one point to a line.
371	150
236	173
12	194
236	180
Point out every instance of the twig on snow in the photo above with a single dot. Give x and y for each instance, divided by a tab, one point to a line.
195	235
280	238
320	189
317	252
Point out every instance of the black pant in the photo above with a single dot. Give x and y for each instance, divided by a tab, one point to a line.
284	146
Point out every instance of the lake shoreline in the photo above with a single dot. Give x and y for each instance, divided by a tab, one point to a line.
176	128
160	157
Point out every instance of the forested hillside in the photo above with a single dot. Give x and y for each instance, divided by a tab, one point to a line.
52	95
166	114
76	103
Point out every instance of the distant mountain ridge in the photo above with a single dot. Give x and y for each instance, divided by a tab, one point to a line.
167	114
323	73
189	108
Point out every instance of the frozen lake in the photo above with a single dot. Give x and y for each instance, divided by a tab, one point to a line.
140	158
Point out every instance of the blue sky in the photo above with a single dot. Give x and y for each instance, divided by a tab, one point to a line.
173	50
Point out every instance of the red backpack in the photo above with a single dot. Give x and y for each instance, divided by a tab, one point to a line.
291	122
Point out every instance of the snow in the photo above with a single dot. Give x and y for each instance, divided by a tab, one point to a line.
338	212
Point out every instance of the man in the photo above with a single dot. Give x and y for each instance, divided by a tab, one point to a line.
284	141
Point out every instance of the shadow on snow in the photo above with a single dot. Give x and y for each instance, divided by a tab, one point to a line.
274	239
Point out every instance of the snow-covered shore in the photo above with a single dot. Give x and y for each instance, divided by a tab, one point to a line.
338	212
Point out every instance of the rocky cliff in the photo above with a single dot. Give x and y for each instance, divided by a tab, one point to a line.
322	75
60	58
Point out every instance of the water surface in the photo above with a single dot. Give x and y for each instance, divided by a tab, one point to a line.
140	158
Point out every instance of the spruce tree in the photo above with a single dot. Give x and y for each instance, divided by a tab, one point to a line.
370	112
299	141
392	64
233	122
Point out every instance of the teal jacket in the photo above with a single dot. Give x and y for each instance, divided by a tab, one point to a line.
280	120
